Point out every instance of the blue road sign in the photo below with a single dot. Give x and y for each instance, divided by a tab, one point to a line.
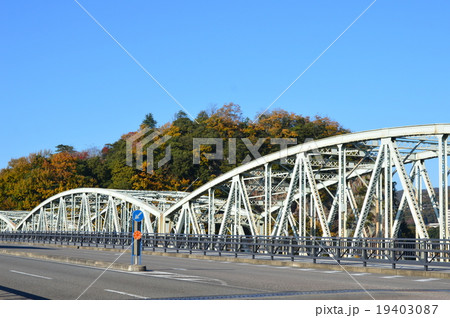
138	215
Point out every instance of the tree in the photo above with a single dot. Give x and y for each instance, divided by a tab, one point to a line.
64	148
149	121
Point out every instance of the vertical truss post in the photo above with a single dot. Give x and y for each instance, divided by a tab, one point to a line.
72	212
301	199
211	223
312	208
342	194
443	188
380	210
237	218
267	197
97	213
305	208
388	190
187	216
419	188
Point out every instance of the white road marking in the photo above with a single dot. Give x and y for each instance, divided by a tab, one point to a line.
225	262
305	269
182	277
360	274
28	274
126	294
426	279
178	269
329	272
396	276
156	273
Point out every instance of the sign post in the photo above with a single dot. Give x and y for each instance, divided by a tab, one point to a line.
136	247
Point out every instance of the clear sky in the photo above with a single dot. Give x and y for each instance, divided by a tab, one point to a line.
65	81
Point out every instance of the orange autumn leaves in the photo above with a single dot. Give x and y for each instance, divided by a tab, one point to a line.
28	180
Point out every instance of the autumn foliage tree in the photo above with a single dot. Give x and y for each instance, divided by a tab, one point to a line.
27	181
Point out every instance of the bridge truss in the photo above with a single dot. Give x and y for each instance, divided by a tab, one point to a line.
353	185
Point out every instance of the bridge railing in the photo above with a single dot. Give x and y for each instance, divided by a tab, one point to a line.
393	252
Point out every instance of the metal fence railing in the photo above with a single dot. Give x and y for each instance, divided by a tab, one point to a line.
423	252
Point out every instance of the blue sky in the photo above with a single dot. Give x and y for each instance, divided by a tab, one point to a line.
65	81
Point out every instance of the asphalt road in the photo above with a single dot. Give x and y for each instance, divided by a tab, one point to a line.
182	278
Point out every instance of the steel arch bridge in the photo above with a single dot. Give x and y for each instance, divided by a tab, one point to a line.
338	186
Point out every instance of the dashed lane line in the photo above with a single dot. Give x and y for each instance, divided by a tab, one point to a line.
426	280
330	272
28	274
126	294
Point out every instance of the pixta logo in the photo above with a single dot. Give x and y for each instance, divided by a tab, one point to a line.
146	140
253	148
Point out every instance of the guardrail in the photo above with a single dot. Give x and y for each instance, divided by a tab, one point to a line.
423	252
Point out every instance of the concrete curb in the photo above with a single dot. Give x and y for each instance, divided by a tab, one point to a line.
348	268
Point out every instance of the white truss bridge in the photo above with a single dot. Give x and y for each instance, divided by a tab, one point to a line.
339	186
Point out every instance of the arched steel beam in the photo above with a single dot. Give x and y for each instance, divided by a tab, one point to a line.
116	194
409	131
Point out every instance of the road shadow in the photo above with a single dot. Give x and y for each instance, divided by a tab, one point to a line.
21	293
25	247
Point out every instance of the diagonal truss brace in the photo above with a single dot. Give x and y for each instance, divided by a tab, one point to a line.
282	219
408	189
315	194
370	192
